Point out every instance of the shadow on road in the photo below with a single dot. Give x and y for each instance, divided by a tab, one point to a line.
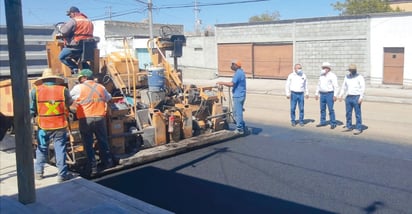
185	194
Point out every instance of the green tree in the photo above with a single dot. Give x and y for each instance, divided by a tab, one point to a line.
264	17
357	7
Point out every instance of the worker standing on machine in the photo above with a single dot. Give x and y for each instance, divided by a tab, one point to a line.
238	85
78	28
50	101
91	100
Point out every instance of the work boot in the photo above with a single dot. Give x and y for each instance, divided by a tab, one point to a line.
109	164
67	177
94	170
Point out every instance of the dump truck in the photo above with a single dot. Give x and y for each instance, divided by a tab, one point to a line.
152	114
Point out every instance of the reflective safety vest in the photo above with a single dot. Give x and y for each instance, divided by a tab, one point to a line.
91	101
84	28
51	107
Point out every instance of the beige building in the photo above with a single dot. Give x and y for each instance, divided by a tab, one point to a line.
405	5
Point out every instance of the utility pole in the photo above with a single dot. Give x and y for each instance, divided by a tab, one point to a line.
109	12
20	90
149	9
198	22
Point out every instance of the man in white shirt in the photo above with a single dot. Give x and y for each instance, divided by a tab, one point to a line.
296	89
354	87
327	89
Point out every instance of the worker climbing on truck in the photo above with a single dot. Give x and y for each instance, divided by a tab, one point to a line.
50	101
78	28
91	100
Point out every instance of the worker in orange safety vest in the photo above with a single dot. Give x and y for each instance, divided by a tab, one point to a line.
50	101
90	99
78	28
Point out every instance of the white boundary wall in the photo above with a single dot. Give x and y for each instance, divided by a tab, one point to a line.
390	32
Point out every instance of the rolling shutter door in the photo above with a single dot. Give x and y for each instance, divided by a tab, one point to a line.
228	52
273	60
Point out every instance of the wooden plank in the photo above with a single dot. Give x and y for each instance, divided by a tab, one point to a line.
167	150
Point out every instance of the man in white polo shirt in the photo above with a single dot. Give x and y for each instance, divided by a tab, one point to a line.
327	90
296	89
354	88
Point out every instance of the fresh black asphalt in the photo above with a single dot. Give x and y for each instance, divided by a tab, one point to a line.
278	170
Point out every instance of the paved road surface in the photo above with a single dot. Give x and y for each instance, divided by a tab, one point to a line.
280	169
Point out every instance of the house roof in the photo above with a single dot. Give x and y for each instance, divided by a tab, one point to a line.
316	19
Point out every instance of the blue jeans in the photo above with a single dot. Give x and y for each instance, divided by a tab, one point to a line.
326	99
297	98
67	54
59	138
351	102
97	126
238	103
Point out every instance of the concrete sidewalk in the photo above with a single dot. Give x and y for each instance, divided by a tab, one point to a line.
78	195
389	93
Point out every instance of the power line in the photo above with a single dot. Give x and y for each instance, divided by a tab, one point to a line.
140	1
189	5
210	4
117	14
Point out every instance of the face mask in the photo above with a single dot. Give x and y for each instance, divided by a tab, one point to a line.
233	67
323	71
353	73
299	72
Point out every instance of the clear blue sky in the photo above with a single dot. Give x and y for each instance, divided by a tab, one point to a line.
49	12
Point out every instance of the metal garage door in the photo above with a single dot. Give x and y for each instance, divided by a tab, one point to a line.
393	62
228	52
272	60
258	60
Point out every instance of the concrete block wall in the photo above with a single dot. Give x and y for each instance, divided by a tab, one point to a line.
340	41
199	60
254	33
340	53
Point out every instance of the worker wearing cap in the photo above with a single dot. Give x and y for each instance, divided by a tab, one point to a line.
296	89
327	89
50	101
90	99
78	28
238	85
354	88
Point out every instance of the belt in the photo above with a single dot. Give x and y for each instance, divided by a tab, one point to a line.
295	92
326	92
352	95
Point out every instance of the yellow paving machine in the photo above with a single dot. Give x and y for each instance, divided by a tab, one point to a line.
152	114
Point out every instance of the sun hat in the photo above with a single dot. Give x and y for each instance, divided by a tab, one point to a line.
326	65
48	74
352	67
